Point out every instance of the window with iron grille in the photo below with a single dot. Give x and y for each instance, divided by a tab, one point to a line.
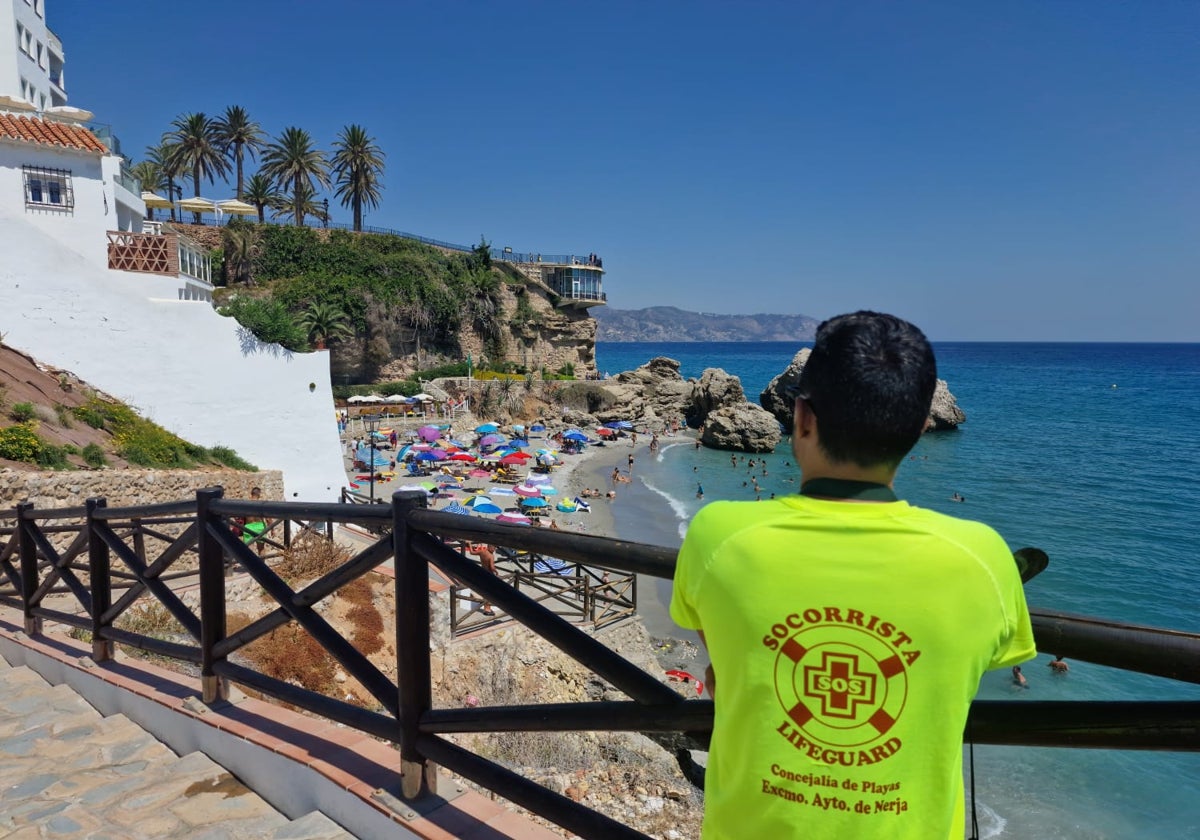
50	188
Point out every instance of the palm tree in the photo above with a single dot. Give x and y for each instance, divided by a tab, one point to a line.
260	191
149	173
305	200
295	164
237	132
240	242
196	147
324	322
358	170
163	156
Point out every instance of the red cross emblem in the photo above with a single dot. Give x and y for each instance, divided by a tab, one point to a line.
839	685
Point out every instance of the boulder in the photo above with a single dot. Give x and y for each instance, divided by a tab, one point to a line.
777	397
944	413
716	389
744	427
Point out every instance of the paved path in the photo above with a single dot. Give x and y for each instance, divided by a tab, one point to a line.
67	772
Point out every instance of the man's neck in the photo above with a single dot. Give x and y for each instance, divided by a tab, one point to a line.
847	472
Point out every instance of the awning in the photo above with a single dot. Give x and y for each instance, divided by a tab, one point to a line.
156	201
234	207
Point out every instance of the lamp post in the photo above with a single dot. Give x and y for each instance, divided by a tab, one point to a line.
371	423
325	215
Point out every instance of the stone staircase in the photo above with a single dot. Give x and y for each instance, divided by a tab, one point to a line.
68	772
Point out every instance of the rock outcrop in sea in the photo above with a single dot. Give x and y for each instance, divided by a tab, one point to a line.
656	393
776	398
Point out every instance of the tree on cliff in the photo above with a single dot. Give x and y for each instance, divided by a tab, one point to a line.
262	193
324	322
164	159
194	146
358	171
238	134
296	166
151	178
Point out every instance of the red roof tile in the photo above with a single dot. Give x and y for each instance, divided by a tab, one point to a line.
48	133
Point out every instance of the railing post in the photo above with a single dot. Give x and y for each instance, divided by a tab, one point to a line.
212	596
418	774
29	576
99	570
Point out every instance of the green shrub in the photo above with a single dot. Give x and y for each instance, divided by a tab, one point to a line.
142	442
93	456
64	415
88	414
231	459
268	319
51	457
20	443
23	412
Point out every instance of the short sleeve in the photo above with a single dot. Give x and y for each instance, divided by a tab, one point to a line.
689	572
1018	644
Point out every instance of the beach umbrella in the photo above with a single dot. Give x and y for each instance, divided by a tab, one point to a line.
237	208
479	474
426	456
462	456
547	460
604	431
535	479
574	434
487	429
537	427
429	433
527	491
513	519
517	427
439	454
455	507
502	491
624	425
492	440
512	460
547	490
488	508
479	499
534	503
422	397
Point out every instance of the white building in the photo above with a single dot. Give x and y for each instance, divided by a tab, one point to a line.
84	288
31	56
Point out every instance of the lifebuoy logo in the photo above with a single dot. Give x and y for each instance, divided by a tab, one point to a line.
841	677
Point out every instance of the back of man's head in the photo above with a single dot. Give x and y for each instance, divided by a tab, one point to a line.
870	382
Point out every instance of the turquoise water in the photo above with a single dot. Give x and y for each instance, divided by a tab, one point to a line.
1089	451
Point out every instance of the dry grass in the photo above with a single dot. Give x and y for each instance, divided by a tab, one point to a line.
309	557
152	619
288	653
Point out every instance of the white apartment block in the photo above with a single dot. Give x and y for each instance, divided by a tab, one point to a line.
31	57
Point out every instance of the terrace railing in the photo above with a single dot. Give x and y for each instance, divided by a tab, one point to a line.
132	552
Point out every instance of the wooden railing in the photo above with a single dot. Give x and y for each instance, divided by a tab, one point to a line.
132	552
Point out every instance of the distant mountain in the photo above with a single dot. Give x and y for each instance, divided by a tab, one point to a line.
669	323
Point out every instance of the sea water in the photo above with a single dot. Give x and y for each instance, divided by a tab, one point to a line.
1088	451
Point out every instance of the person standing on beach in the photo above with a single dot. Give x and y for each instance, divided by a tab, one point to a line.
847	629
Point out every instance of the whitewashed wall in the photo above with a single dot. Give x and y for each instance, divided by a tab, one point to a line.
83	229
180	363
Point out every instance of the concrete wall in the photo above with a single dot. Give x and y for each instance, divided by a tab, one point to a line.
129	487
179	363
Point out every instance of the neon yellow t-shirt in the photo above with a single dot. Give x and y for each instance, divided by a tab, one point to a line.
847	640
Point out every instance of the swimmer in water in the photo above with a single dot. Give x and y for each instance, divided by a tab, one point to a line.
1059	666
699	491
1019	678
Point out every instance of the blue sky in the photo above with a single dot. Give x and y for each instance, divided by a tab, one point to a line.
991	171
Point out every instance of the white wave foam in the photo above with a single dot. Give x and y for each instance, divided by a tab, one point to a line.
991	824
663	449
678	506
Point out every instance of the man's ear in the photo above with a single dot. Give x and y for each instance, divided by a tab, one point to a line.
803	419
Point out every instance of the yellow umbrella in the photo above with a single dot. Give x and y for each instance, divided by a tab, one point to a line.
156	201
234	207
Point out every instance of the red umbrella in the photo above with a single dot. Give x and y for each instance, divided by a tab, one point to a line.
603	432
510	460
462	456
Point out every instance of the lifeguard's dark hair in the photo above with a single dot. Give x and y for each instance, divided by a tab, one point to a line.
870	382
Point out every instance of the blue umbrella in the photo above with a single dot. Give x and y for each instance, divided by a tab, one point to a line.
537	427
574	434
620	424
455	507
426	456
487	507
534	502
487	429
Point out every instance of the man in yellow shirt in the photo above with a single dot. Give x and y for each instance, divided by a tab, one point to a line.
847	629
